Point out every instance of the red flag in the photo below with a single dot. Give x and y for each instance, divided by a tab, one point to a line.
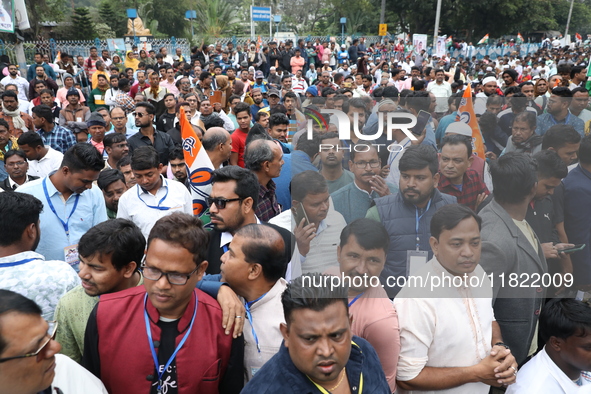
466	114
199	166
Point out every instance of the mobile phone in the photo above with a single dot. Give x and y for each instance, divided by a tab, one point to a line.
576	248
422	120
300	213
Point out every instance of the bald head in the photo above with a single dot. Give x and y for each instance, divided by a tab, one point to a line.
265	246
213	137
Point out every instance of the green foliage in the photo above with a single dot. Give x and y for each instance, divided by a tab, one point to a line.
83	27
216	18
114	16
170	16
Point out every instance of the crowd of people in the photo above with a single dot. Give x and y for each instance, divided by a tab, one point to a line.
393	260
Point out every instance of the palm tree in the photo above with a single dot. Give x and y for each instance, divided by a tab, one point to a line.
216	17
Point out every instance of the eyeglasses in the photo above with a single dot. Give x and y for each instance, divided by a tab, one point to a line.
50	335
16	164
173	278
139	115
221	202
362	164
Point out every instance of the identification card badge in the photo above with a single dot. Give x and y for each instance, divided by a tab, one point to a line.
78	119
415	260
71	256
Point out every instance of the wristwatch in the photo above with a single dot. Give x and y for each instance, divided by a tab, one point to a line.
502	344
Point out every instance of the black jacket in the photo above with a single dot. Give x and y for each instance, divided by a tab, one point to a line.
5	184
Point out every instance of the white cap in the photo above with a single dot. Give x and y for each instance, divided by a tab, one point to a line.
488	80
460	128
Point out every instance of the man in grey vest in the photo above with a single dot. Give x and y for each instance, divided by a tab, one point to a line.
407	214
511	249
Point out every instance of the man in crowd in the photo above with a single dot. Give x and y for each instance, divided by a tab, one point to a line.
166	309
153	196
407	214
96	99
112	184
243	117
15	163
71	204
178	167
217	142
253	267
434	325
39	369
509	245
233	198
56	136
265	159
14	78
565	328
74	115
149	135
43	160
110	255
119	120
18	122
362	254
557	112
333	359
457	179
124	165
22	270
331	157
116	148
442	90
353	200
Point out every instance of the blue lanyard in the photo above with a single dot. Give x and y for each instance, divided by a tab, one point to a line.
565	119
418	219
158	207
15	263
151	343
247	306
66	223
355	299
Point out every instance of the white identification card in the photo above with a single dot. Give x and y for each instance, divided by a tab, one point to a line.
415	260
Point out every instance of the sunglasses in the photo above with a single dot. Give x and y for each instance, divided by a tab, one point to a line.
221	202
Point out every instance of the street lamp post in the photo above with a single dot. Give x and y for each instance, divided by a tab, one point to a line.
343	22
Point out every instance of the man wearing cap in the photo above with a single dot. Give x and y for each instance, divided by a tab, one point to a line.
14	78
74	115
343	55
96	128
489	86
259	82
259	101
273	98
63	91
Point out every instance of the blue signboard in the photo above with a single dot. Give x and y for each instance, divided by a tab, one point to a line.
261	14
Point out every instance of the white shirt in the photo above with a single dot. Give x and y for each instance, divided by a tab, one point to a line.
299	85
453	327
138	205
585	115
52	161
71	378
23	85
393	160
441	92
541	375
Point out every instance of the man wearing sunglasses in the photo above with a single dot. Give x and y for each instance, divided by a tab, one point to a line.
165	337
232	201
153	196
29	363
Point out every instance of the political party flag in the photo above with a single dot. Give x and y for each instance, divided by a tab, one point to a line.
466	114
448	40
578	37
58	57
199	166
519	38
484	40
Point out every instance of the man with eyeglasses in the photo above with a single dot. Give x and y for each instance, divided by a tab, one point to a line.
166	336
169	82
16	165
353	200
232	201
29	363
23	270
149	135
120	122
153	197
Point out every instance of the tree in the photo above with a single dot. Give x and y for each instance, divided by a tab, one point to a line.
82	26
215	18
113	17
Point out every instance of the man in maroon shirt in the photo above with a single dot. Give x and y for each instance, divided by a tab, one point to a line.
457	179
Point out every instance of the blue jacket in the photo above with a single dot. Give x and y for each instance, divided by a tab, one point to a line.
280	375
577	216
399	219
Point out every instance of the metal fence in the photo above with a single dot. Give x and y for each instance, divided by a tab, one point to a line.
51	47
